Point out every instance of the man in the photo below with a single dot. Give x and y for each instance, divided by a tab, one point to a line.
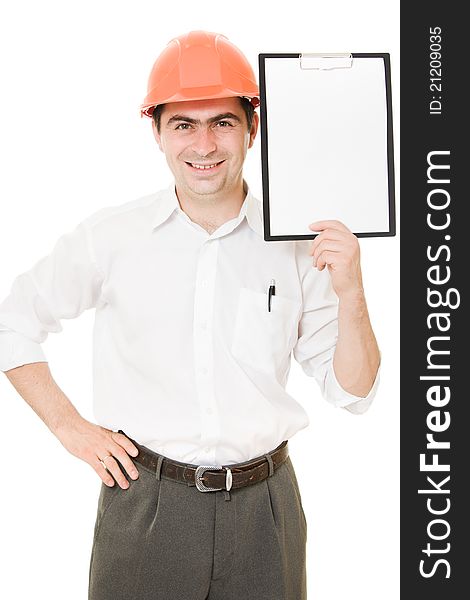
196	320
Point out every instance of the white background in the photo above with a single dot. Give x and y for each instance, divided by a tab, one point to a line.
72	141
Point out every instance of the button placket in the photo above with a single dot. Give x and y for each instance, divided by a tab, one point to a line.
203	344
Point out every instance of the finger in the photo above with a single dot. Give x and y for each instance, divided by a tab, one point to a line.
102	472
327	245
331	234
328	223
125	442
327	258
343	239
125	461
113	468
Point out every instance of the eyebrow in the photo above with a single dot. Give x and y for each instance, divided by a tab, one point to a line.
221	117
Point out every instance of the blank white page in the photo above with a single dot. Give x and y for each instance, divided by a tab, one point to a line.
327	146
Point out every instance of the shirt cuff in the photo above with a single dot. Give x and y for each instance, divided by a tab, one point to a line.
17	350
338	396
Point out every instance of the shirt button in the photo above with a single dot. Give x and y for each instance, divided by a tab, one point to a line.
209	411
203	324
203	282
203	370
207	449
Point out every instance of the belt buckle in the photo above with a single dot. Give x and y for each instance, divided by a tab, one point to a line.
201	469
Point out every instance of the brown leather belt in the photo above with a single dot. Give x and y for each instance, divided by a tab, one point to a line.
209	478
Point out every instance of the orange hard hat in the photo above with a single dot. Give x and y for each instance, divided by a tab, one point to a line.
197	66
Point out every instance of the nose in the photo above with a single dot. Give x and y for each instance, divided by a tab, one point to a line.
203	142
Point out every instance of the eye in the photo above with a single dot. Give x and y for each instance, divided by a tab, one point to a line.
182	126
224	123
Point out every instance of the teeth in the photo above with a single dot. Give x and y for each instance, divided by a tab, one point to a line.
204	166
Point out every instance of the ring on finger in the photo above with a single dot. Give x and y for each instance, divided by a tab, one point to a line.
102	460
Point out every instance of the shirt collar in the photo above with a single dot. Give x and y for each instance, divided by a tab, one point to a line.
167	202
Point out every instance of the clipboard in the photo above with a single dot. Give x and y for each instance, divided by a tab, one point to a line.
326	143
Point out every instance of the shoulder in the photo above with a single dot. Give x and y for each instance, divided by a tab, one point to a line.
130	213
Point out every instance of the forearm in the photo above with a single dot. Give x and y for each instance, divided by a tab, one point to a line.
35	384
81	438
357	358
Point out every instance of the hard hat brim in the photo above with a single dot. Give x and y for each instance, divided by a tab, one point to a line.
147	109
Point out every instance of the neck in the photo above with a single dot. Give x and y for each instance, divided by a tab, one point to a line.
212	208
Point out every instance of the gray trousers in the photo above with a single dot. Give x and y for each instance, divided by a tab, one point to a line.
165	540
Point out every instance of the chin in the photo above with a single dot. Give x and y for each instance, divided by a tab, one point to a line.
206	187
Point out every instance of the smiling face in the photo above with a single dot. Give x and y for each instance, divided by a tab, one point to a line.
205	143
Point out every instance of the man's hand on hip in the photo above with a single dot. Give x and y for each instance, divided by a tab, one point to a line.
100	447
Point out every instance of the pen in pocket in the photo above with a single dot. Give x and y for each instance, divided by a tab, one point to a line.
271	292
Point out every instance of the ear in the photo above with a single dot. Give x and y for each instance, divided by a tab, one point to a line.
156	135
254	129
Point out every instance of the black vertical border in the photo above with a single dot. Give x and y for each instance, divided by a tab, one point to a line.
422	133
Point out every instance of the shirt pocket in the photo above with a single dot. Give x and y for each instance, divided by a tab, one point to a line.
264	339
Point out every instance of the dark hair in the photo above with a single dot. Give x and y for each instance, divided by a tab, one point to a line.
246	105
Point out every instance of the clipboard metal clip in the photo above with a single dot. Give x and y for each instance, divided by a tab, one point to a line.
326	61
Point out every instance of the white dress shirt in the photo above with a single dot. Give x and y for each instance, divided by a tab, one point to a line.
187	360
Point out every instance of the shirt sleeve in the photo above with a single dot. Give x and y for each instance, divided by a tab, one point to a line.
59	286
316	343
